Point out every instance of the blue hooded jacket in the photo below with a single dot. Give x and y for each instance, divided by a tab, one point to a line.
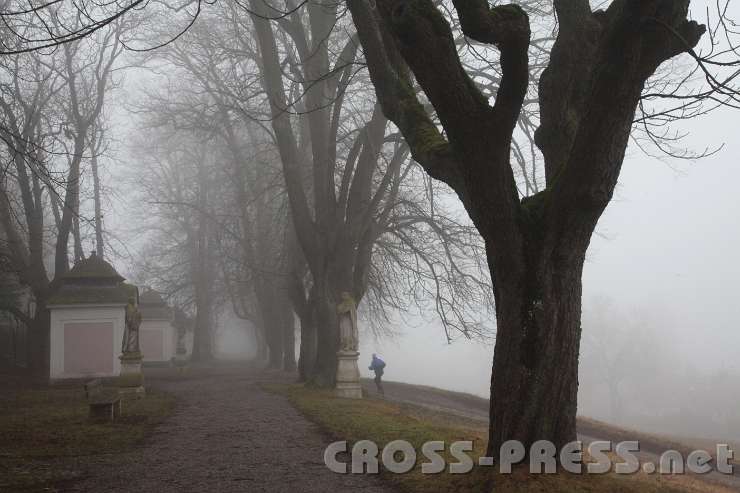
377	365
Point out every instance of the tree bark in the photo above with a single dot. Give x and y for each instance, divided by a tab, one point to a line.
79	253
534	379
99	240
203	337
263	352
307	356
275	341
327	339
38	341
289	362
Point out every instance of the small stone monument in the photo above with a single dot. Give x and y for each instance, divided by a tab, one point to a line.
157	334
181	351
131	380
348	374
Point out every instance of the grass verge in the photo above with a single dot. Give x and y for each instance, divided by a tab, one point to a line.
43	428
384	421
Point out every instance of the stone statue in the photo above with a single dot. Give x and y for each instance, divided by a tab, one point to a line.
180	324
131	332
348	374
348	333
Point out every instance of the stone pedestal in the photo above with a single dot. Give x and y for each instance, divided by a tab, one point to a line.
131	381
348	375
181	363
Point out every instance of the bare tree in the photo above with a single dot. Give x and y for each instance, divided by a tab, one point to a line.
588	96
47	108
343	197
219	58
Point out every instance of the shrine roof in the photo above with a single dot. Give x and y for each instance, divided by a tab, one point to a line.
70	294
93	268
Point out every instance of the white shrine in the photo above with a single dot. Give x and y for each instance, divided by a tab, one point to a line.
88	313
157	335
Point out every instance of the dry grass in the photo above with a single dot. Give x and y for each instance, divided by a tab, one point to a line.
42	426
383	421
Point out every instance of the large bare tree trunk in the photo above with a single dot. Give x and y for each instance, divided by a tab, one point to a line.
262	352
327	337
203	340
203	337
272	308
535	364
275	344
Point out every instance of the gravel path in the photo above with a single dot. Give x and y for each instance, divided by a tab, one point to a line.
227	435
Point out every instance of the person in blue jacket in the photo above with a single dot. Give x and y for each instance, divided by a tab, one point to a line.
377	365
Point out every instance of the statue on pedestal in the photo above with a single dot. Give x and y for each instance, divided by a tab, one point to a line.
131	380
181	351
348	374
131	331
348	334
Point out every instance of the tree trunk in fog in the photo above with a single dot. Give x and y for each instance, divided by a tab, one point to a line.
271	313
27	253
38	341
99	241
289	363
307	356
203	337
263	353
78	252
327	337
304	307
70	211
275	346
615	401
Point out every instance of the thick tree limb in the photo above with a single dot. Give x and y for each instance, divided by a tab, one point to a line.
287	145
630	49
399	102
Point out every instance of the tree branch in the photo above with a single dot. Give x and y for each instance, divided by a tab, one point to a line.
399	102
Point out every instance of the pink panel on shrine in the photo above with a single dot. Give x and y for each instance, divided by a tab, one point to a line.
151	344
88	347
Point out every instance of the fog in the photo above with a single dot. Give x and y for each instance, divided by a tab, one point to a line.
660	295
660	348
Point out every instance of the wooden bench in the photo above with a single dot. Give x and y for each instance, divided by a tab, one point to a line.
105	404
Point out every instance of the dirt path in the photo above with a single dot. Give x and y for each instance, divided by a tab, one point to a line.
227	435
476	409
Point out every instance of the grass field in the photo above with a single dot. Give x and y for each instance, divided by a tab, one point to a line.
383	421
43	427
